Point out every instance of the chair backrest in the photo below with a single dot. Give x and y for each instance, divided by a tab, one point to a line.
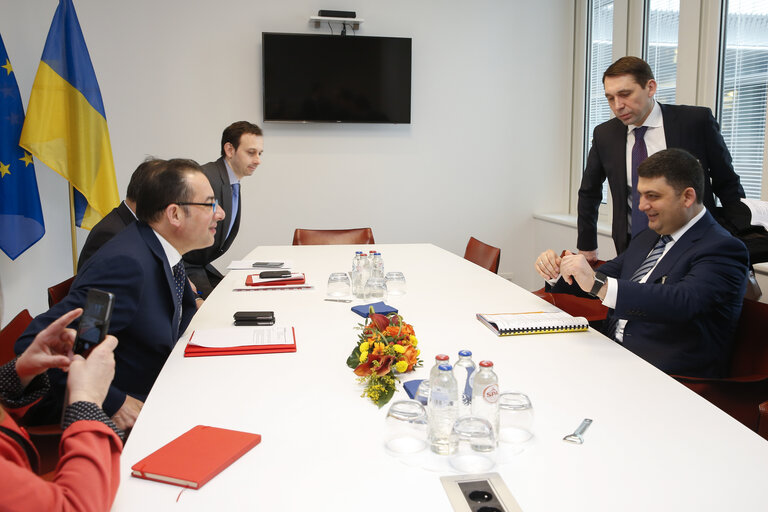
332	236
487	256
10	333
59	291
750	345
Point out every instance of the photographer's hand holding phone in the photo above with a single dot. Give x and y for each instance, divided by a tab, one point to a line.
89	379
51	348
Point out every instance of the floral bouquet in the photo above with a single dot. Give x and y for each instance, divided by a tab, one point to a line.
387	346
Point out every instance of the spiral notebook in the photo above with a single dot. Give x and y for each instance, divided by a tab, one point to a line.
540	322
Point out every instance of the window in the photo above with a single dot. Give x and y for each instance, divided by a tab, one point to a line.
599	57
743	86
660	53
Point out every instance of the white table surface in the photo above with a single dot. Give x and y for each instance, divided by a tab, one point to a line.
654	445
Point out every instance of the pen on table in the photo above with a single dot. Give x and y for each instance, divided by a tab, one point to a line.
338	300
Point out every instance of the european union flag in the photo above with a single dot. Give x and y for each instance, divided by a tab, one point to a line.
21	217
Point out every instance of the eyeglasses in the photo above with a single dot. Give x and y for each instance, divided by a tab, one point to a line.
213	205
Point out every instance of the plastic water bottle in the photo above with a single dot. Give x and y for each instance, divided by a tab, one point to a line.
443	411
378	265
422	394
463	370
355	274
362	274
485	395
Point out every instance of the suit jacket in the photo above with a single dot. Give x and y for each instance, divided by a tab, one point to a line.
682	320
145	316
104	230
198	263
693	129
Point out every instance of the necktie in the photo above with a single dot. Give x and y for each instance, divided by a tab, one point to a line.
651	259
235	204
179	278
639	153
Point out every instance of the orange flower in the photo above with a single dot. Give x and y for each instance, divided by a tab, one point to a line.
411	356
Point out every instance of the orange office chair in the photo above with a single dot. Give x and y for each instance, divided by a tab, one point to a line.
332	236
744	393
10	333
59	291
479	253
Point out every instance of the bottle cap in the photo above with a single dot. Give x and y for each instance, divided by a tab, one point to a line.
486	364
465	353
441	357
445	367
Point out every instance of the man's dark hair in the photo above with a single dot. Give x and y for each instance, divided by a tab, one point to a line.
140	175
680	168
165	185
638	68
233	132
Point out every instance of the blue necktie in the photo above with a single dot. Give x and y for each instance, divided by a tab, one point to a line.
639	153
235	204
179	279
651	259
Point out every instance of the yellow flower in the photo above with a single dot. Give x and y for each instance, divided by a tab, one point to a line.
364	347
413	340
363	357
401	366
399	349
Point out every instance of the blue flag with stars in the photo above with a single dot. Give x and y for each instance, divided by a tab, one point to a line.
21	217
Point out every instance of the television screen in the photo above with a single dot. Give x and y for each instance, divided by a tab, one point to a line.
332	78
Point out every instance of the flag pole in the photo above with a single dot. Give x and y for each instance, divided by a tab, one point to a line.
72	227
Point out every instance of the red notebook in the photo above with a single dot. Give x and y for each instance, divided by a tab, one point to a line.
196	350
254	280
196	456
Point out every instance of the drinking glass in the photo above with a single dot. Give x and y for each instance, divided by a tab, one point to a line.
476	448
406	428
339	285
515	419
376	289
395	283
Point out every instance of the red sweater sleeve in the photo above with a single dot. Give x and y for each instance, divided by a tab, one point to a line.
87	475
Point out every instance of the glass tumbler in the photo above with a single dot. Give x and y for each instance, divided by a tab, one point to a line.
395	283
376	289
339	285
406	428
515	418
476	448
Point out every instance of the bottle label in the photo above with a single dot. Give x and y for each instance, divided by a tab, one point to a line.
491	393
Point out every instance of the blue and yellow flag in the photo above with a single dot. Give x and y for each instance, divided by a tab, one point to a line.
66	127
21	218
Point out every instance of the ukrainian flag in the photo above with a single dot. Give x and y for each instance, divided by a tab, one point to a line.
66	127
21	218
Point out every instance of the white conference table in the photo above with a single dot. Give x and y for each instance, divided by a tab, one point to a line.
654	445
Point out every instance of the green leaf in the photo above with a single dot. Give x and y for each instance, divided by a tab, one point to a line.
353	361
386	397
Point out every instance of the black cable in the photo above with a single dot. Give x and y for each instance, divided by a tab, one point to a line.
330	27
344	29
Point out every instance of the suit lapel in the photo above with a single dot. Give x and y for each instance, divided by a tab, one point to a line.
672	129
680	247
154	245
226	203
638	249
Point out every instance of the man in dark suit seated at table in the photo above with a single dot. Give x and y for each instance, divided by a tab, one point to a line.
177	212
242	144
642	127
675	294
119	217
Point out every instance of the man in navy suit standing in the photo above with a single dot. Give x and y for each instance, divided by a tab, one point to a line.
242	144
154	303
641	128
675	294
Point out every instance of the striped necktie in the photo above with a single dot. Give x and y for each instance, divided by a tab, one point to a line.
651	259
639	153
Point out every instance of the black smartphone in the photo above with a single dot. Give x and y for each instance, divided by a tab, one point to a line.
254	318
267	274
94	323
268	264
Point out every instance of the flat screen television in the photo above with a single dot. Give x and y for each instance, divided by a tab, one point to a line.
332	78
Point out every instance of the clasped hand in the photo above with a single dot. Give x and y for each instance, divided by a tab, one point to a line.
570	267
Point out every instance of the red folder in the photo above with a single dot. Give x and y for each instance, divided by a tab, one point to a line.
196	456
197	351
254	280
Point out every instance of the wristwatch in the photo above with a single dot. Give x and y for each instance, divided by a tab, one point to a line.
600	280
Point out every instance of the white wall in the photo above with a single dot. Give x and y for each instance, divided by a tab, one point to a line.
491	112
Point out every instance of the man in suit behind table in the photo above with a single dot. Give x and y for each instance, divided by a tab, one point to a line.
675	294
242	144
641	128
154	303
